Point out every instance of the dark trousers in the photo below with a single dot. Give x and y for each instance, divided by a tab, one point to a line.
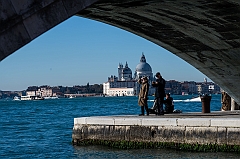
159	102
146	108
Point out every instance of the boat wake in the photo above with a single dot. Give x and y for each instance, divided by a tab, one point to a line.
198	99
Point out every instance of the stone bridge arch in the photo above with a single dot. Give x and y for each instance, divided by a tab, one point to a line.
204	33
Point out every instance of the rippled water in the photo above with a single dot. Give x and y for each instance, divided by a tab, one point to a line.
43	129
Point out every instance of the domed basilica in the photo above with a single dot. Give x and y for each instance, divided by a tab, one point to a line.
143	69
126	84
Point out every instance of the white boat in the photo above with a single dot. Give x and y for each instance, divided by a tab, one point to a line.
54	97
16	98
31	98
26	98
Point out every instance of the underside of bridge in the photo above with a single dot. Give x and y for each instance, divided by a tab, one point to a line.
204	33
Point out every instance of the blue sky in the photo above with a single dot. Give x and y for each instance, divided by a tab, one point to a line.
80	50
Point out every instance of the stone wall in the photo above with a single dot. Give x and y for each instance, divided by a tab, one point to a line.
175	134
171	130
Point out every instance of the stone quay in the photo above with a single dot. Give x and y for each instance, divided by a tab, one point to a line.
218	128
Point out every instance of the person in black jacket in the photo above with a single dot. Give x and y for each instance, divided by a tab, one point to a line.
159	85
169	106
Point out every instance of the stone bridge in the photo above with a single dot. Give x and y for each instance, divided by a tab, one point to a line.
204	33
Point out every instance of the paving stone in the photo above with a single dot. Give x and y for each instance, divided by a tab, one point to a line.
193	122
226	122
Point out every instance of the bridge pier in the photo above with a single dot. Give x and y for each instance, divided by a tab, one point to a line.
228	103
234	105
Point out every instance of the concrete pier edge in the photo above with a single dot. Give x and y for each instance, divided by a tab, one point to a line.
217	131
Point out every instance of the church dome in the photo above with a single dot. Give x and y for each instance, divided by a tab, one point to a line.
127	71
143	66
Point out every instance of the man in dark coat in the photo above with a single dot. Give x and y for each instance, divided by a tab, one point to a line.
143	94
169	106
159	85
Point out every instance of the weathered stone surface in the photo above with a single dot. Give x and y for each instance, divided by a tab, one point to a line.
72	7
26	8
201	135
159	122
81	120
97	120
140	133
80	132
45	19
226	122
7	16
128	121
16	35
221	135
233	136
168	134
194	122
37	17
96	132
116	133
127	135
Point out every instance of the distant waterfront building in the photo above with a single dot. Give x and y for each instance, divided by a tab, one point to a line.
173	87
45	91
125	84
188	87
122	85
121	91
31	91
191	87
114	87
42	91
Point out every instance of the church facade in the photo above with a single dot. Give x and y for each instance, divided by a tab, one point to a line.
126	83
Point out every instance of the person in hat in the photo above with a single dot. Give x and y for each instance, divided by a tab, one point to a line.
143	95
159	85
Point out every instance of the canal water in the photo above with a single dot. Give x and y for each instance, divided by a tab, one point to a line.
43	129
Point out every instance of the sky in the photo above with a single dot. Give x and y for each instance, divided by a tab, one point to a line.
81	50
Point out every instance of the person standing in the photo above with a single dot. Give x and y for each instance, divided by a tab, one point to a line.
143	95
159	85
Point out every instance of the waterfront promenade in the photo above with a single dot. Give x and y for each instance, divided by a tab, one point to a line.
221	128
